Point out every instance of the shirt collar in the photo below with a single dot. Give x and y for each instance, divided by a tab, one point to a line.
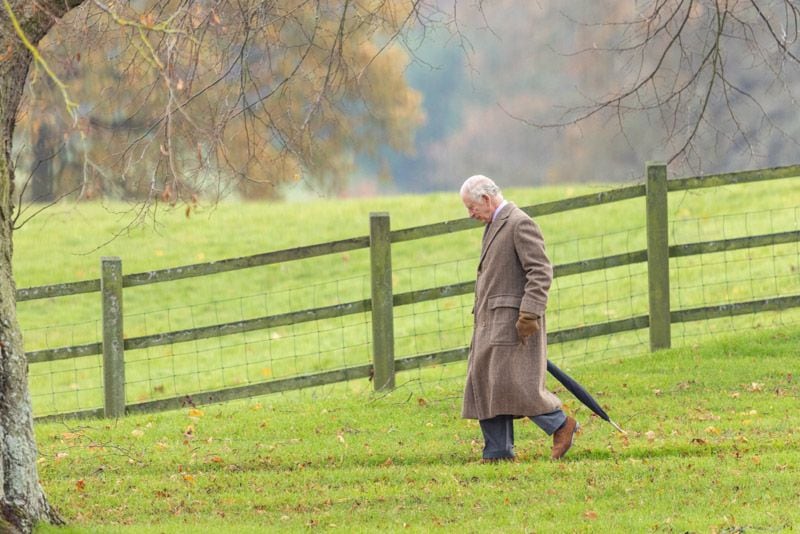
497	210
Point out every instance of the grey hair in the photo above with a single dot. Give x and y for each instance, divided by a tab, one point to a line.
478	185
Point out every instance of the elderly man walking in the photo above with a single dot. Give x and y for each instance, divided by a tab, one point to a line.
508	353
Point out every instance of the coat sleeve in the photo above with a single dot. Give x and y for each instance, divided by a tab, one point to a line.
529	245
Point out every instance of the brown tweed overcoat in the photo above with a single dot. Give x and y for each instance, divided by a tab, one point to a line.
505	377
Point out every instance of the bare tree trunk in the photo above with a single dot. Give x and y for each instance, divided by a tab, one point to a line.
22	499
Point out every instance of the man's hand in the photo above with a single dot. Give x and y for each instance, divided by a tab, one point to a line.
527	325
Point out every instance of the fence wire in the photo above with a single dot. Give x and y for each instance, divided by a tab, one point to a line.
728	277
248	357
575	301
67	385
300	349
622	292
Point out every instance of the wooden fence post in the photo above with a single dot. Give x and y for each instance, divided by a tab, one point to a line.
658	255
382	302
113	352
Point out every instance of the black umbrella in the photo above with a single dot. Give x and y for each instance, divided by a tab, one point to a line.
582	395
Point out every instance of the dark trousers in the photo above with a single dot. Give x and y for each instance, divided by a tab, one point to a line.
498	432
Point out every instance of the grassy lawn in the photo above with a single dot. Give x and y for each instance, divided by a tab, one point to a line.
712	424
711	447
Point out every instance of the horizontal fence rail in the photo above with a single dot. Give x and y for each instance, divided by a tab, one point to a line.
406	363
733	178
58	290
199	269
464	288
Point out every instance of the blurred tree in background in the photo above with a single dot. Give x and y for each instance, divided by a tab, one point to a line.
586	91
176	99
496	87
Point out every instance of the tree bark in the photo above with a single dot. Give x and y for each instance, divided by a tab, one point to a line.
22	500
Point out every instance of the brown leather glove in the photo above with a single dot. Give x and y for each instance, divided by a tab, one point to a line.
527	325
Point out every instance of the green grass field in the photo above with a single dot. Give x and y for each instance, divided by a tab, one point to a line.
712	425
711	447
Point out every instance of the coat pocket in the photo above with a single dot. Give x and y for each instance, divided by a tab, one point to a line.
504	310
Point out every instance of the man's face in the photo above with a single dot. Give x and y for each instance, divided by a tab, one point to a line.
481	209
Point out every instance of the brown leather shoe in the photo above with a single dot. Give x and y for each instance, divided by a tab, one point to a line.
562	438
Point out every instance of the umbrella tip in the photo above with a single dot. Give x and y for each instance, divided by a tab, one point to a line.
619	429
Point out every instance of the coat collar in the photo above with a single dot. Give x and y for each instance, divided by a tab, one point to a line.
494	227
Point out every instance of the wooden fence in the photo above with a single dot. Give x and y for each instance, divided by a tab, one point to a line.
381	305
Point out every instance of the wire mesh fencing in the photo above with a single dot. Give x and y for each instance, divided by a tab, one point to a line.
249	357
314	315
66	385
724	278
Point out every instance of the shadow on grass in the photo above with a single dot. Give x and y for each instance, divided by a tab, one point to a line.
412	459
